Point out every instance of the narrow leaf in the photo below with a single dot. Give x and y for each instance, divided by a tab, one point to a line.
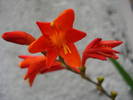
125	75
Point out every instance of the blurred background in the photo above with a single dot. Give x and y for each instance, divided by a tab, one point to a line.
108	19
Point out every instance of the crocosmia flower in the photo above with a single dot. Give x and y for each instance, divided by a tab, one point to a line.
58	39
100	49
37	65
18	37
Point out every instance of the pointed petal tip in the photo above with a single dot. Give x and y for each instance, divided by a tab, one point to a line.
83	34
65	19
20	56
26	78
30	84
20	64
120	42
38	22
117	43
31	50
32	47
70	10
111	43
25	56
98	39
75	35
93	43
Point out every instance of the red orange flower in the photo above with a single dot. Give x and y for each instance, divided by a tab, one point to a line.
58	39
37	65
18	37
101	50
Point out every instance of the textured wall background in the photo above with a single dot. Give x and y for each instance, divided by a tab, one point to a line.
109	19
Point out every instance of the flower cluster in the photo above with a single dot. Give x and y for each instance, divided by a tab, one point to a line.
57	41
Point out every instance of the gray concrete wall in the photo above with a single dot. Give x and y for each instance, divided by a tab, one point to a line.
109	19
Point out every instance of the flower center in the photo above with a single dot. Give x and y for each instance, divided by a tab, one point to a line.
58	38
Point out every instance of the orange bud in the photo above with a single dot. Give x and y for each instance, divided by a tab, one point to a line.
18	37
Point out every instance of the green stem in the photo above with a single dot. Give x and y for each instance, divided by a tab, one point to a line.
99	86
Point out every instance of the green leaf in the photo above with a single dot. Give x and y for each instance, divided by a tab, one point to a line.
125	75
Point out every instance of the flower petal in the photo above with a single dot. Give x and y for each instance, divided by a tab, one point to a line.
45	28
18	37
97	56
52	69
65	19
35	68
92	55
107	50
111	43
51	56
72	58
74	35
25	63
109	55
26	56
30	78
28	60
39	45
101	49
93	43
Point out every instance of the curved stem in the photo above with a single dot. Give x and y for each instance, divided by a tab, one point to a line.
99	86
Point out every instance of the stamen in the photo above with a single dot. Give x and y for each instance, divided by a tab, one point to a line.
66	49
52	24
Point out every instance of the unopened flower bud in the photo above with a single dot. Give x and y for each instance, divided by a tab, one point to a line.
18	37
100	80
114	94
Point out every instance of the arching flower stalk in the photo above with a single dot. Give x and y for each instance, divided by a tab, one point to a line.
59	51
